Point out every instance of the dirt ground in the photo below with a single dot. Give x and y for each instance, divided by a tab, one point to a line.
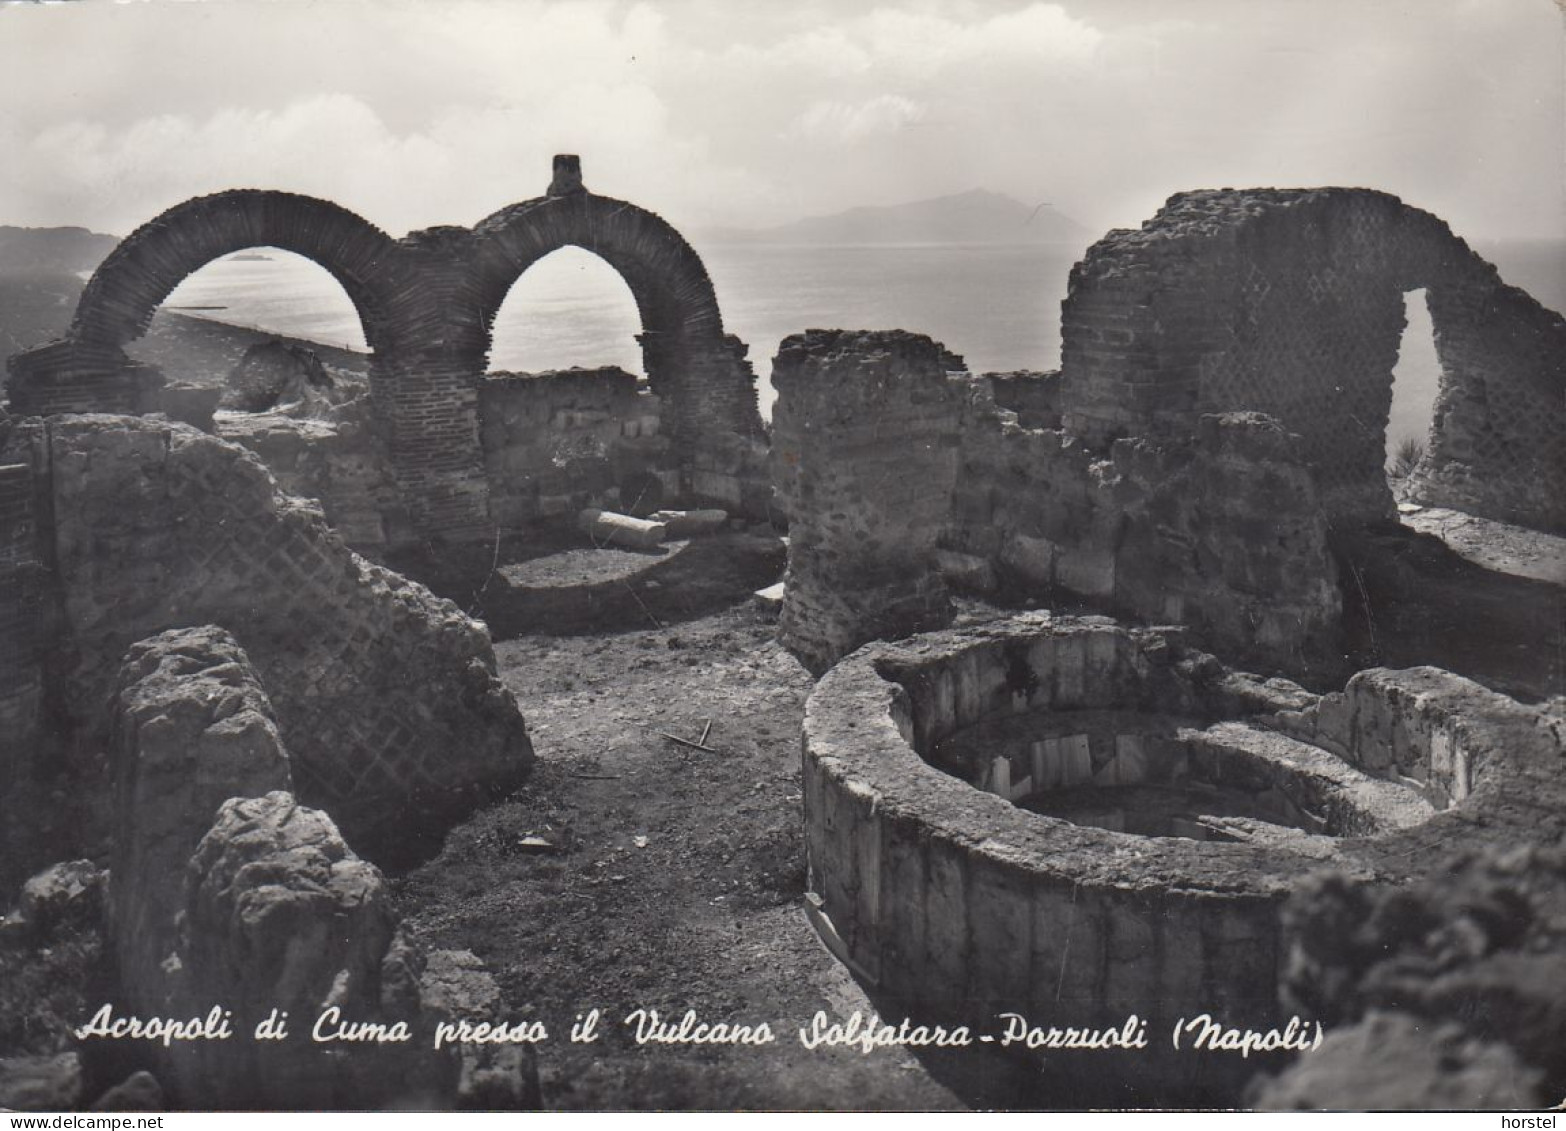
677	879
634	871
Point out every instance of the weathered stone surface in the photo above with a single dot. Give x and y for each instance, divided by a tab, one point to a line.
192	728
1393	1062
63	895
41	1083
1290	302
385	696
559	441
281	914
864	461
456	986
687	524
140	1091
339	460
1480	944
1223	530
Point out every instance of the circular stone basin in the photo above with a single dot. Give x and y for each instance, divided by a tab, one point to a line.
1079	823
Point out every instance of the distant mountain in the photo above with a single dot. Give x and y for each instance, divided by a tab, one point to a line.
978	216
31	250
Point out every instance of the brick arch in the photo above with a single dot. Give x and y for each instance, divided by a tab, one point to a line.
122	296
667	278
426	303
1290	302
690	362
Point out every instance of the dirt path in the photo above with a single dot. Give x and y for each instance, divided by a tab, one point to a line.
677	882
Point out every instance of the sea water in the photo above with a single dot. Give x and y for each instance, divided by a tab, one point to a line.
997	306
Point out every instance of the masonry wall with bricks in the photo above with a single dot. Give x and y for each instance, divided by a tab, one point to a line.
386	695
865	435
427	302
559	441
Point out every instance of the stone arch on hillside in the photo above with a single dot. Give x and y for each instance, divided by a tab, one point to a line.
1290	302
427	302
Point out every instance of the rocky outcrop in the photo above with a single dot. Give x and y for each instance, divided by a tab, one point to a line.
386	697
193	728
280	914
275	373
66	895
41	1083
1472	958
1392	1062
864	456
230	899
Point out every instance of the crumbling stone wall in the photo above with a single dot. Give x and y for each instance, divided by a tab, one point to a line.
559	441
225	891
1289	302
386	696
865	434
427	302
553	443
1222	530
339	459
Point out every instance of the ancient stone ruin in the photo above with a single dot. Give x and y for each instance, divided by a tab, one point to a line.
426	303
1079	815
1080	821
865	513
1289	302
1185	802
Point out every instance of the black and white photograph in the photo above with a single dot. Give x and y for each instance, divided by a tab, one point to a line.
712	555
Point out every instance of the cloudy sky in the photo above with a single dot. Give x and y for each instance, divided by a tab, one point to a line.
744	112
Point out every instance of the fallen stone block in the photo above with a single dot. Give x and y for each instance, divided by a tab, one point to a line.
622	529
685	524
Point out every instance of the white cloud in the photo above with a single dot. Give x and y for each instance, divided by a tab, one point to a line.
845	123
727	112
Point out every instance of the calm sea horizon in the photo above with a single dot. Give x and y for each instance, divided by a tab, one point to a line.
996	305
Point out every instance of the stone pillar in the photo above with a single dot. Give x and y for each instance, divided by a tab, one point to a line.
865	435
425	389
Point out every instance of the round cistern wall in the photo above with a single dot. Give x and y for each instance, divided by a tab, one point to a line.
958	903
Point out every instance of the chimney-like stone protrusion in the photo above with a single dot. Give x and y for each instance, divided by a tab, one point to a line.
864	450
568	175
